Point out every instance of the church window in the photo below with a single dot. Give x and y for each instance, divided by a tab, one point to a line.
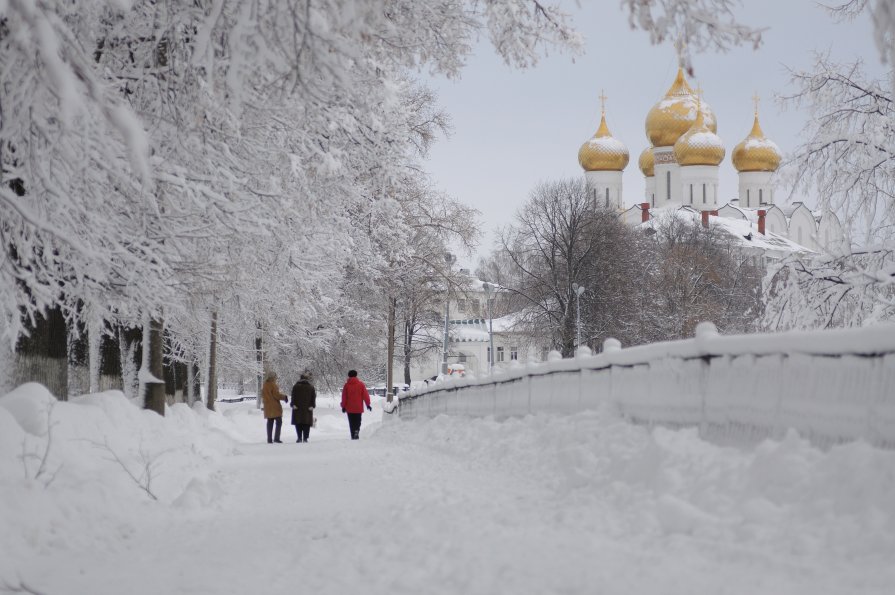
607	197
760	198
691	194
500	354
514	353
703	194
748	203
461	305
668	185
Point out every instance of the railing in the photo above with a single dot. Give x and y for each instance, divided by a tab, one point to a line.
830	386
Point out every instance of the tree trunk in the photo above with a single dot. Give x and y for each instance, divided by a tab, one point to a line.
211	386
130	349
408	339
42	356
259	360
389	385
154	388
110	369
94	357
78	360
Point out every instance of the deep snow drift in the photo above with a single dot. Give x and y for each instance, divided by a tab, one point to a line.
580	503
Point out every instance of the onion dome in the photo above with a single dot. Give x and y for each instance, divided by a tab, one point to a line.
603	152
647	162
699	145
756	153
669	119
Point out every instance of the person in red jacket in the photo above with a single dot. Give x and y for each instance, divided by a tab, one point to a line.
354	397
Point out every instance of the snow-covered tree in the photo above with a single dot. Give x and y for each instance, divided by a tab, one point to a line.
856	289
847	159
692	25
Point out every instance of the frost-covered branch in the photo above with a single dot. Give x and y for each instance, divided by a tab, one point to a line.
830	292
692	25
146	473
847	158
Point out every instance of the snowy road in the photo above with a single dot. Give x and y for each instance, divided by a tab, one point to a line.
545	504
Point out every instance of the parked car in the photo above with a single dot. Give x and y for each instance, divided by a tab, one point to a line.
380	391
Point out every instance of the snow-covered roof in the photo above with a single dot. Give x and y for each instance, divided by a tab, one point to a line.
738	229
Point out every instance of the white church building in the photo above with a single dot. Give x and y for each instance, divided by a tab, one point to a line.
680	167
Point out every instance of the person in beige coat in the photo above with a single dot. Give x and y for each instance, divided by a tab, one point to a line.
273	410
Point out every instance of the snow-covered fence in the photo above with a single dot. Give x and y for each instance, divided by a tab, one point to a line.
830	386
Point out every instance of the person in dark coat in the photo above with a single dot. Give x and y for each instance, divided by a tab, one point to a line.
354	397
304	401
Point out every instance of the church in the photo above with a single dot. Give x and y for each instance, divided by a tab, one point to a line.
680	167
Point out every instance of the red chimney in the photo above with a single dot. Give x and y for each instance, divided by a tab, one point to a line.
761	215
705	218
644	215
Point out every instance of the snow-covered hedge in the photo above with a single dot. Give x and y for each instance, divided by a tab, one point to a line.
830	386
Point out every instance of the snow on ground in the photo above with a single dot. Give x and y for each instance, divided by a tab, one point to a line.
581	503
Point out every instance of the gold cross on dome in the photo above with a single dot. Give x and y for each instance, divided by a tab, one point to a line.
755	100
602	102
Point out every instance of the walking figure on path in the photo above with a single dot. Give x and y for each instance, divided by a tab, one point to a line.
273	410
304	400
354	397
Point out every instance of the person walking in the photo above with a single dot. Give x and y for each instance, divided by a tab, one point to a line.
354	397
273	410
304	401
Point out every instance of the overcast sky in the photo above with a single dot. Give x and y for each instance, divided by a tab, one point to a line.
513	129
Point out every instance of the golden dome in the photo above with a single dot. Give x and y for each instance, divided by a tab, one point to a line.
647	162
669	119
756	153
699	145
603	152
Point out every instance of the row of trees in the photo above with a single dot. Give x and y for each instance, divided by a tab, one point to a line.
215	180
641	285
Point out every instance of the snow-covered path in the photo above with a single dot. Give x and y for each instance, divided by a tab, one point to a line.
544	504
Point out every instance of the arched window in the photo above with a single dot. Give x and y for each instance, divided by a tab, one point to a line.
760	198
607	197
691	194
748	203
703	194
668	186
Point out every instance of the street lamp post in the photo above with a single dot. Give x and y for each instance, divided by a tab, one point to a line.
449	259
578	289
489	290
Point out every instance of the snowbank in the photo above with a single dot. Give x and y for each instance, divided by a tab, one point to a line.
784	500
831	386
81	475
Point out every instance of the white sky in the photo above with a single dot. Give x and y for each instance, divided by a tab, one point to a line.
513	129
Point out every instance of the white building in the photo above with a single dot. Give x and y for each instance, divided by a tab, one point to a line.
680	169
469	344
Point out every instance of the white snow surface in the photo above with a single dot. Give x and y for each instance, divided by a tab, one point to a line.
546	503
